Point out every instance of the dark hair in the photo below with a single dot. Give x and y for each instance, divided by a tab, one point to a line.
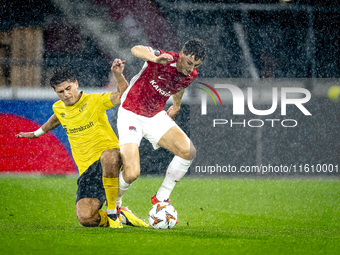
61	74
195	47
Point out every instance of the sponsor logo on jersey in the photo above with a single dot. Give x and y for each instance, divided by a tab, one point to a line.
159	77
62	114
162	92
78	129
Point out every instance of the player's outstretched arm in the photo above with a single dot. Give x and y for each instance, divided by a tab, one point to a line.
143	53
176	104
52	123
117	69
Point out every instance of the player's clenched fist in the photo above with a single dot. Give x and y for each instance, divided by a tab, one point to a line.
118	66
164	58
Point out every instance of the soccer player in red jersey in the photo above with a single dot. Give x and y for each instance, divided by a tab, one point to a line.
142	114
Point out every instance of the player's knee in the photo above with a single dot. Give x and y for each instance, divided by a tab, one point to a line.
86	222
131	176
87	218
192	151
110	156
187	152
87	212
131	171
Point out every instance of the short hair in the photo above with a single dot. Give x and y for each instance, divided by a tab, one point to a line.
61	74
195	47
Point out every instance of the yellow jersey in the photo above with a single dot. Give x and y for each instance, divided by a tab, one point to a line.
87	127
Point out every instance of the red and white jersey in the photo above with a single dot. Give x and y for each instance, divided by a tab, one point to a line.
153	85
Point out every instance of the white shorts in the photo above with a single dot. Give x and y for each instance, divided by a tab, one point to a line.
132	127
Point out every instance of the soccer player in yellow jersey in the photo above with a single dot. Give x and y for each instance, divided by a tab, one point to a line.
94	146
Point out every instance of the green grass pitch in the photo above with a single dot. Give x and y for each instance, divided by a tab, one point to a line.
216	216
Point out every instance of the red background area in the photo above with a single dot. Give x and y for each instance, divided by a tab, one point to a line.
45	155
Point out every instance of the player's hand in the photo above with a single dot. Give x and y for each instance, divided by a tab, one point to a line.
172	112
29	135
164	58
117	66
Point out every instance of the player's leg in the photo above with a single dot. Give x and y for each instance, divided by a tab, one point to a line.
110	163
91	197
130	157
129	154
89	213
162	131
130	135
176	141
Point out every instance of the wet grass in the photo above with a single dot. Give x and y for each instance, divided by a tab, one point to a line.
216	216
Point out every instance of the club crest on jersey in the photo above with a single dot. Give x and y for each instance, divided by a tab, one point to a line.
132	128
81	108
162	92
156	52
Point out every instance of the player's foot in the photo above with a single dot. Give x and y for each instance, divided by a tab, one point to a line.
128	218
113	219
154	201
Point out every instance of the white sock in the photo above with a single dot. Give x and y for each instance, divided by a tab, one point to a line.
176	170
123	187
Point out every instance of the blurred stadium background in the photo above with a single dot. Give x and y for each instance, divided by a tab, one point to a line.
295	41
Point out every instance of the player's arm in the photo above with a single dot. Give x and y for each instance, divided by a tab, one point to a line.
52	123
117	69
143	52
176	104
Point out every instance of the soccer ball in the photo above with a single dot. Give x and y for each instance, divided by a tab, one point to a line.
163	216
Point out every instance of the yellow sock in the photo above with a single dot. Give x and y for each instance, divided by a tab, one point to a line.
103	219
111	191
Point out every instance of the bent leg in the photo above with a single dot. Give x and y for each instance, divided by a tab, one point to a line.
130	157
176	141
131	168
89	213
110	162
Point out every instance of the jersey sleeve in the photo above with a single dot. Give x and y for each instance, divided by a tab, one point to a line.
56	109
104	101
